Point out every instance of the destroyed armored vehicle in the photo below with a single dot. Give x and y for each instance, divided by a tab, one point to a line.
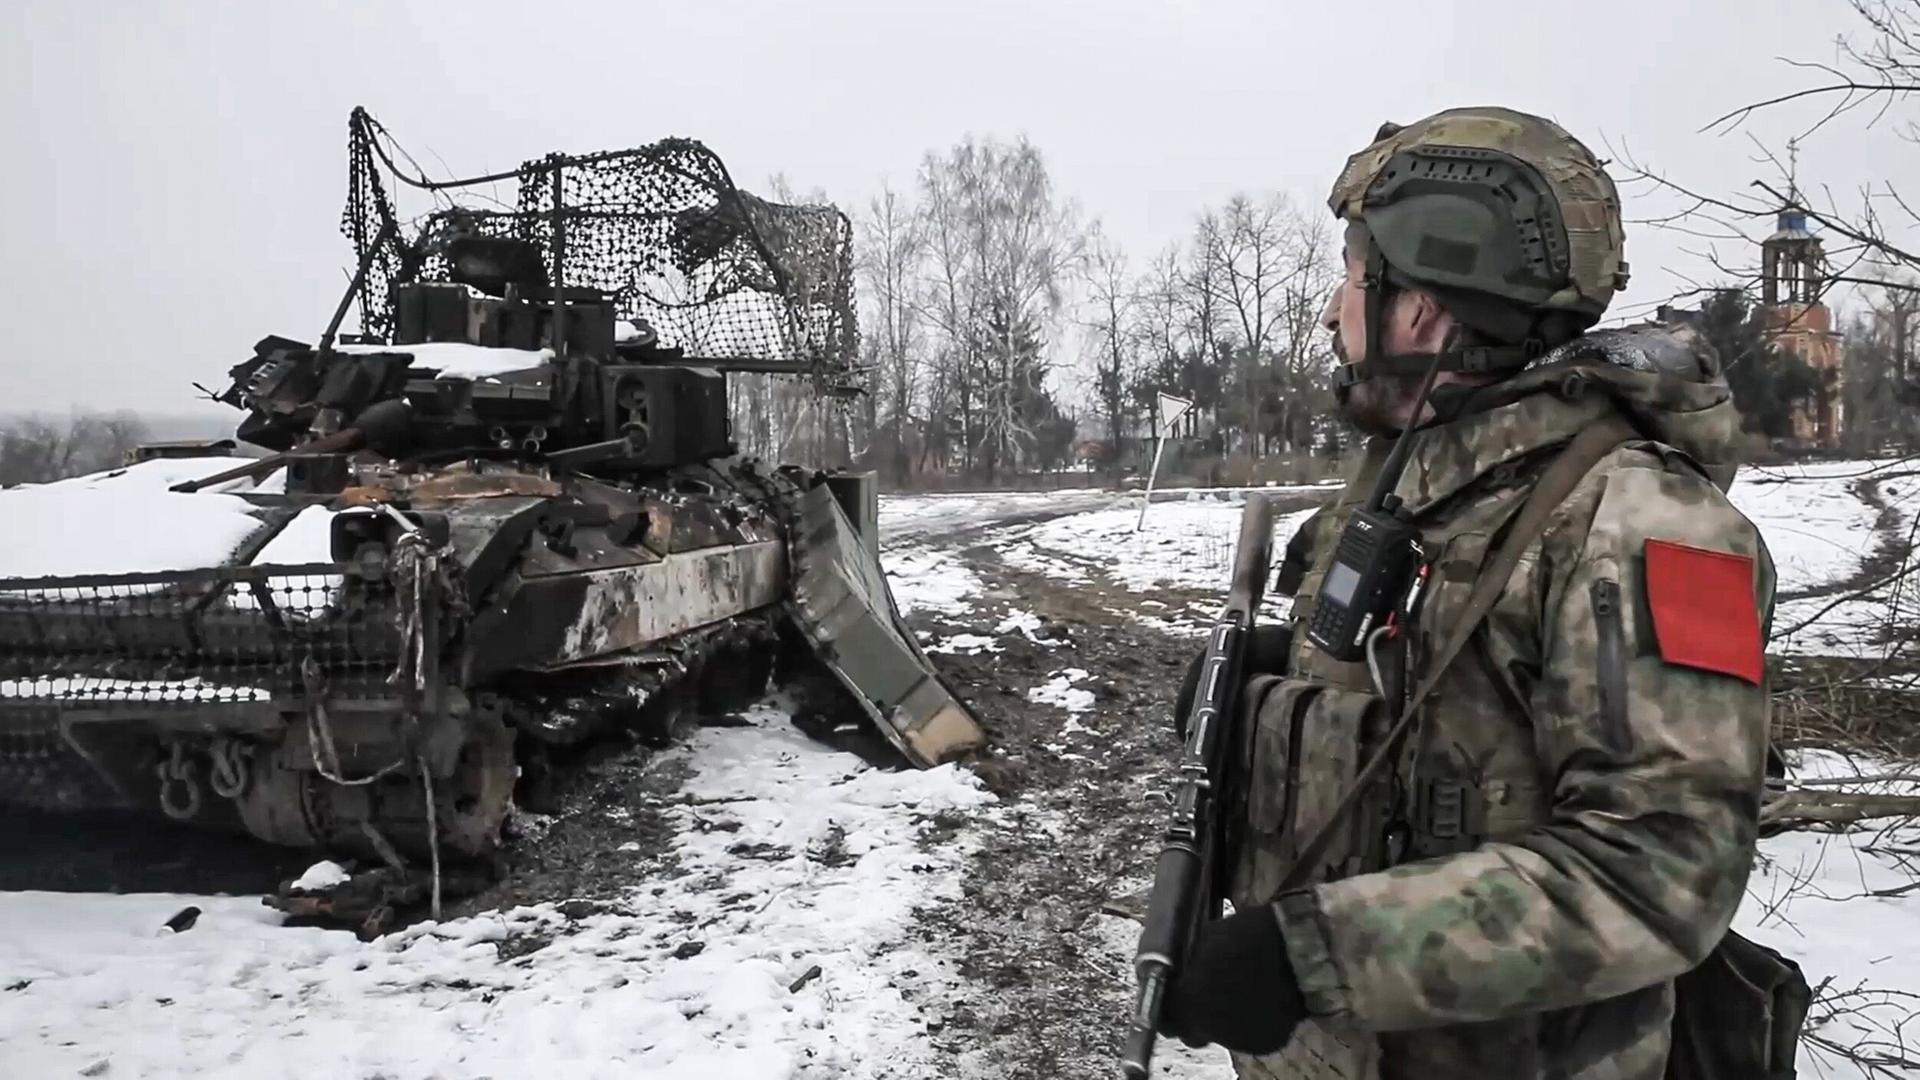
504	521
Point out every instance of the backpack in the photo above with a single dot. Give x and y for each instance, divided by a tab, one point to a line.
1738	1015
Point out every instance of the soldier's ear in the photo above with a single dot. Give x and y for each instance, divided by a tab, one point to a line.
1429	324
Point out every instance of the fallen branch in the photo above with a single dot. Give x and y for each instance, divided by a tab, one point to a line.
1849	781
1873	1023
1813	807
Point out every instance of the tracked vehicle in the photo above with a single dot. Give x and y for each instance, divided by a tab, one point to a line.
504	521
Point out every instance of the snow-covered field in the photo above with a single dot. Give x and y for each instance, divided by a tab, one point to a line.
1820	527
1814	523
1181	545
779	939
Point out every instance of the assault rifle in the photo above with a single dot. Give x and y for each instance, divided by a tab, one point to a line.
1188	880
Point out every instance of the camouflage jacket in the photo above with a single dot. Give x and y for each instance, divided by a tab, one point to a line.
1572	822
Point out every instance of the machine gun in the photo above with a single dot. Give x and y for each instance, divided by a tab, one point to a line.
1188	878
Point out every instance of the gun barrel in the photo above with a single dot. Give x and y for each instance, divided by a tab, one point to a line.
344	439
1184	875
1136	1058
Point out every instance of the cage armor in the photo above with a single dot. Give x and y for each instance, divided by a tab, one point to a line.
1571	822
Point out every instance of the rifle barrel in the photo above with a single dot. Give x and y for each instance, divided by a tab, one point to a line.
1183	879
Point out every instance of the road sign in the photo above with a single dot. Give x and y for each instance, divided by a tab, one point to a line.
1171	410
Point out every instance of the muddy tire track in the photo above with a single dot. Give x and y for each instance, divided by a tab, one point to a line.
1047	980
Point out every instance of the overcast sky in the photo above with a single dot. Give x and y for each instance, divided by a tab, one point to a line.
173	172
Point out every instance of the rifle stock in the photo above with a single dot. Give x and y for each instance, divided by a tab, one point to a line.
1185	892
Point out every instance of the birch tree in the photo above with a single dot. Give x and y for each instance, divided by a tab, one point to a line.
1001	246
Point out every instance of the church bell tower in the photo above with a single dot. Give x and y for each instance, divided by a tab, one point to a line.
1793	268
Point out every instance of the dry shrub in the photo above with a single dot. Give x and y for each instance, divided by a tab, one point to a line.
1846	705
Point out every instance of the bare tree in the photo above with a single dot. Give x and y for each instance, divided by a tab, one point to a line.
1001	246
1114	325
945	302
1250	349
37	449
1869	233
1881	396
1303	351
890	256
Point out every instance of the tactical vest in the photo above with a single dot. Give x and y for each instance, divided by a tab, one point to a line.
1469	772
1466	775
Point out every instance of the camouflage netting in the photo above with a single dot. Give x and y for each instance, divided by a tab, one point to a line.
196	639
662	228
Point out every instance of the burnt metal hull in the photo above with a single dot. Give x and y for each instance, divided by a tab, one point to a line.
390	703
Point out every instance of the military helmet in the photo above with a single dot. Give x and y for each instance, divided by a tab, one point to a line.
1511	222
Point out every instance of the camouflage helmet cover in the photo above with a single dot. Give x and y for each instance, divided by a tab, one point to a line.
1494	202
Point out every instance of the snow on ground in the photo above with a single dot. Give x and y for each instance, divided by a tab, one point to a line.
965	644
912	518
1861	627
1817	527
1061	692
792	857
926	580
1030	627
123	521
1794	900
1182	545
903	513
1824	548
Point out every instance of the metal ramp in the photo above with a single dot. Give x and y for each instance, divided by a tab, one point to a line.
841	604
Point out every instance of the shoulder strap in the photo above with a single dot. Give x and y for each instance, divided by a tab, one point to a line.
1594	442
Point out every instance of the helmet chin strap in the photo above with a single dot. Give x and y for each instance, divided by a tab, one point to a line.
1376	362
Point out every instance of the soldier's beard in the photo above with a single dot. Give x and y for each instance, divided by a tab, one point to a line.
1380	405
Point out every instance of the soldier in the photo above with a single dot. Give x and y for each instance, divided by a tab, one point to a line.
1568	822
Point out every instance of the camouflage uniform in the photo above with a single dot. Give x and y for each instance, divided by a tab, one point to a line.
1571	825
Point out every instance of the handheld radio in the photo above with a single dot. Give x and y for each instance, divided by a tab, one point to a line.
1376	560
1373	567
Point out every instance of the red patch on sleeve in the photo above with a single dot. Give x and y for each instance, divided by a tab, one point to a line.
1703	611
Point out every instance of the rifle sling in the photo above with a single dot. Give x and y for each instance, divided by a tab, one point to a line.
1594	442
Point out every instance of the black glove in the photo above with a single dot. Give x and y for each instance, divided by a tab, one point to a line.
1266	655
1237	988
